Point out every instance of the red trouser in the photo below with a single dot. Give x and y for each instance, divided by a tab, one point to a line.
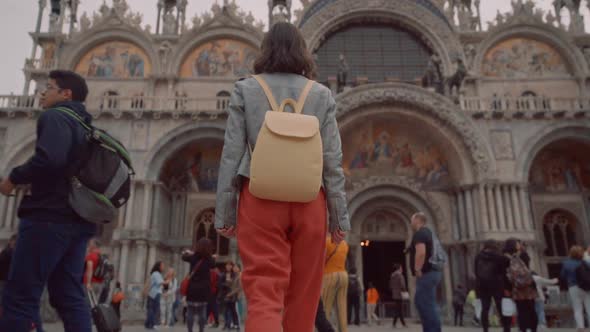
282	246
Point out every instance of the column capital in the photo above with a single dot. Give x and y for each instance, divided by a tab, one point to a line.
142	243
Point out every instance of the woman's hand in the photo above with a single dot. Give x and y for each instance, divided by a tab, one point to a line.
338	235
227	232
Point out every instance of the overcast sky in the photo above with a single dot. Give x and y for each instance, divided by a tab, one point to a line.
19	17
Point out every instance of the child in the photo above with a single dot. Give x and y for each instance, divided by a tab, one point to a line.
372	299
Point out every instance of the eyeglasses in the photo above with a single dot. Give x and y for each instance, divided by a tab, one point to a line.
51	87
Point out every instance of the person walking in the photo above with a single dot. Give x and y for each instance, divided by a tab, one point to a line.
225	284
280	242
459	297
52	237
168	298
540	284
155	284
372	301
524	292
92	282
231	300
427	277
335	287
199	289
213	305
117	299
354	297
579	298
397	283
491	283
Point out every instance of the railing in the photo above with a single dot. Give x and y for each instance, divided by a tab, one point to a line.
128	104
41	64
523	104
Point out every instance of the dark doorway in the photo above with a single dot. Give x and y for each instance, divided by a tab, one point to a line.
378	260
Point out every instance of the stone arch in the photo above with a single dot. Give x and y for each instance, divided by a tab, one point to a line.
544	137
193	40
83	43
429	105
375	188
174	140
19	153
418	18
543	33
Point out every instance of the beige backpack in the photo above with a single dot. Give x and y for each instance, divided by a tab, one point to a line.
287	161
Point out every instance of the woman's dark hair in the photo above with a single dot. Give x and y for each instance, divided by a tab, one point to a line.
510	247
490	245
204	247
157	267
396	267
68	80
284	50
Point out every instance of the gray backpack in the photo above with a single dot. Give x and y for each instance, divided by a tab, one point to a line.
439	257
101	180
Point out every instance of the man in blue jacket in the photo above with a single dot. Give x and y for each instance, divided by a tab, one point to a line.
52	238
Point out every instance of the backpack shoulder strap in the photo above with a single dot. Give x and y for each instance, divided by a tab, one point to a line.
75	116
271	99
303	97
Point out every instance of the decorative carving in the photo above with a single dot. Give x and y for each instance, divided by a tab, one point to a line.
85	23
228	15
342	73
170	24
432	104
470	53
502	144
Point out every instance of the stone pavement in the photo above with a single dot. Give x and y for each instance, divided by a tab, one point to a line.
411	328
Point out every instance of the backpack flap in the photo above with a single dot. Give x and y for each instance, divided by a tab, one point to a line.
292	125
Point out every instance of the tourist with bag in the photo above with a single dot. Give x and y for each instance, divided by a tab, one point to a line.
354	297
154	295
524	291
579	298
196	286
335	285
282	156
397	283
491	283
52	236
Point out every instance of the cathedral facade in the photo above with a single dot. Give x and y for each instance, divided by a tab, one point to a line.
485	131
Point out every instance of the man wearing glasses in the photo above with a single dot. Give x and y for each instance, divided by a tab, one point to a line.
52	238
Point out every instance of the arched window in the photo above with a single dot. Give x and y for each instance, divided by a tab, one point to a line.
204	228
222	100
559	228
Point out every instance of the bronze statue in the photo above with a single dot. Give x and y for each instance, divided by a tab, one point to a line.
433	76
342	74
456	81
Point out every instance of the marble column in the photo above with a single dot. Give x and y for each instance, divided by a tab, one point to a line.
147	206
153	251
462	215
483	208
470	212
129	207
525	206
123	262
518	222
455	216
11	205
491	207
500	208
140	258
508	206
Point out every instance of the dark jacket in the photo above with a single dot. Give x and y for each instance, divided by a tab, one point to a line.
491	266
60	142
397	285
199	289
459	296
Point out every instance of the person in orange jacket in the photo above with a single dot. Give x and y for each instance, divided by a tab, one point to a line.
372	300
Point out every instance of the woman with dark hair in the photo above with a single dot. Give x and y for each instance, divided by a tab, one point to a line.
199	289
491	282
523	296
156	283
281	243
397	283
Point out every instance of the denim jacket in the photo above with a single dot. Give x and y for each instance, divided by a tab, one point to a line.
247	108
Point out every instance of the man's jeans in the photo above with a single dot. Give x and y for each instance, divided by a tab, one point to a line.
425	300
49	254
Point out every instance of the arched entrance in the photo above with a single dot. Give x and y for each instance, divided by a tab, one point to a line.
559	181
